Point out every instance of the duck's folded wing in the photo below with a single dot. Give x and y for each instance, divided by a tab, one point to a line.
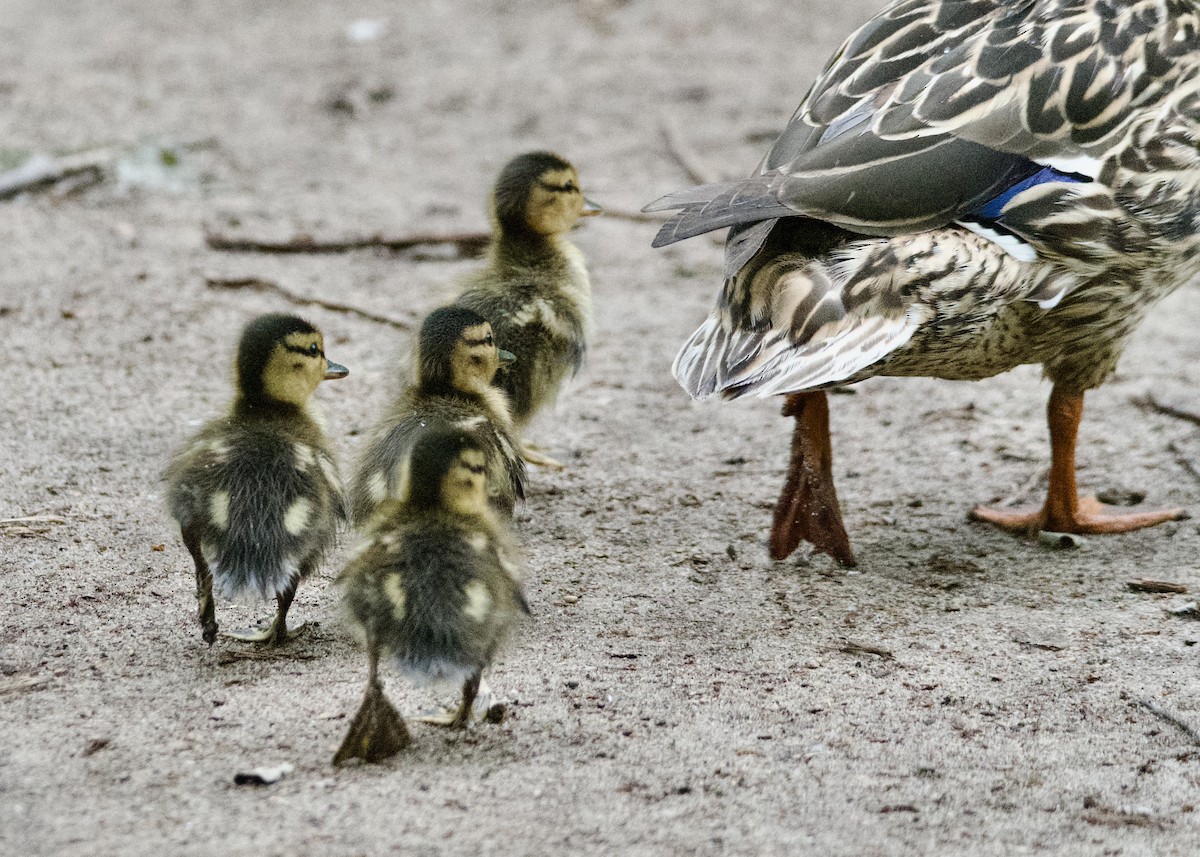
935	107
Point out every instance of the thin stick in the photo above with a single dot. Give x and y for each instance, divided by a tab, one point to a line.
1175	721
1030	483
469	244
32	519
1148	402
851	648
258	284
1145	584
1184	461
43	171
19	684
691	163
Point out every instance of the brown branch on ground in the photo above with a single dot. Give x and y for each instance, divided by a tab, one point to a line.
691	163
1145	584
32	519
1174	720
468	244
258	284
233	656
1149	403
41	172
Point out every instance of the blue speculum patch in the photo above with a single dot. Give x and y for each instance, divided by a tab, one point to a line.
989	212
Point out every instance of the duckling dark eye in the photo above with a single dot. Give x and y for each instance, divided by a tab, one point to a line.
314	350
488	340
570	187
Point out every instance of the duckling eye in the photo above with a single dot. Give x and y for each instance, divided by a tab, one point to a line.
313	349
570	187
488	340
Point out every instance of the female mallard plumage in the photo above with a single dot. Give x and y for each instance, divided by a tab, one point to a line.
535	288
456	361
256	493
433	586
969	186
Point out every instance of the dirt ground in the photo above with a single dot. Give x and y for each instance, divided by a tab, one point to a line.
961	692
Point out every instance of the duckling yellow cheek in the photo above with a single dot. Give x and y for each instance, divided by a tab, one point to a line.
218	509
478	601
296	517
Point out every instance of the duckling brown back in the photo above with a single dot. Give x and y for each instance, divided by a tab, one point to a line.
535	289
456	361
256	492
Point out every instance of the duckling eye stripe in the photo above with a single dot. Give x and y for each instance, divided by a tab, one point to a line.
566	188
296	349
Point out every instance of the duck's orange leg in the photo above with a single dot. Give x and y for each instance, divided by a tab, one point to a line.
808	507
1064	510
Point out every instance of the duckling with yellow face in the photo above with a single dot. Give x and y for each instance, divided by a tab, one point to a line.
256	493
456	361
535	289
433	586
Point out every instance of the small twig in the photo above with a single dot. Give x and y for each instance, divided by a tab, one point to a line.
685	156
258	284
1145	584
1029	484
1175	721
1183	461
32	519
635	216
43	171
468	244
851	648
232	656
17	685
1148	402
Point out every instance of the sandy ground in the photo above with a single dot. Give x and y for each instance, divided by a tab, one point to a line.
675	692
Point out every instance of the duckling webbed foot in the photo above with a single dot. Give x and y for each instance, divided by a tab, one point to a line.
462	716
277	633
808	506
377	731
1064	510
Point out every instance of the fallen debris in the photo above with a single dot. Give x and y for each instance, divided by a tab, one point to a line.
1187	610
18	685
849	647
1061	541
1173	719
1149	403
232	656
42	172
95	745
685	156
469	245
263	776
258	284
1145	584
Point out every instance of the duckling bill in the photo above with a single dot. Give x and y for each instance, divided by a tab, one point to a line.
535	289
433	588
256	493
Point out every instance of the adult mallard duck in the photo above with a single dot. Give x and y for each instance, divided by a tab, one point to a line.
256	492
535	289
970	185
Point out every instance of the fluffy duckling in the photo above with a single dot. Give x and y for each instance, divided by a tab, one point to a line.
256	492
456	361
535	289
432	587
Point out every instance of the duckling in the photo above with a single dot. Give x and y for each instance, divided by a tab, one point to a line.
456	361
535	289
256	493
967	187
432	586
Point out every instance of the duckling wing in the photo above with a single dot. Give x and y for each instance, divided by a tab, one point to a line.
936	107
793	321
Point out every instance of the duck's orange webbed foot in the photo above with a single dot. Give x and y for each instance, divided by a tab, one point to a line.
1064	510
808	506
1089	517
